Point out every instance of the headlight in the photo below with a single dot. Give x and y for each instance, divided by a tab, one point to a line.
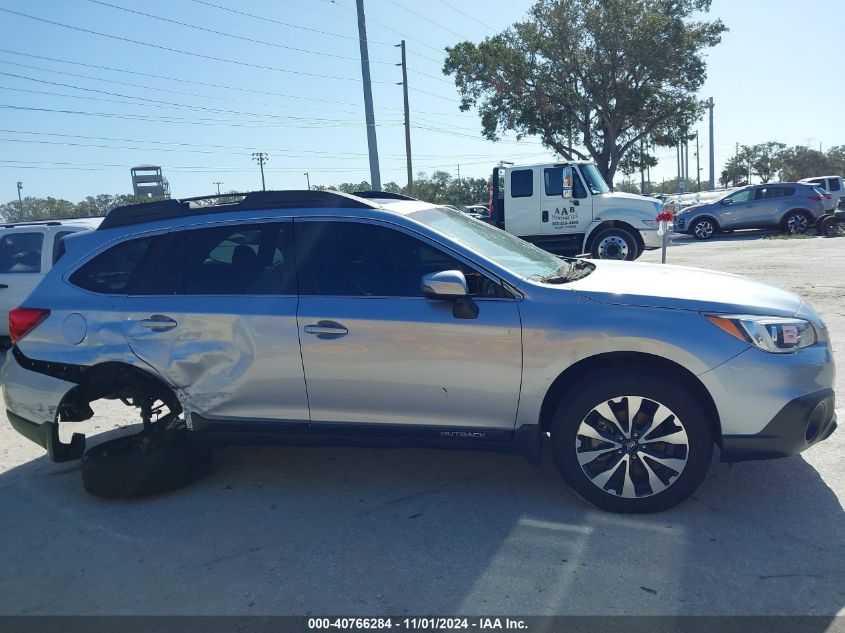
771	334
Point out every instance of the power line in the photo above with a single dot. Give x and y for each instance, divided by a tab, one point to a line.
153	102
172	119
422	17
224	33
464	13
178	79
170	49
246	148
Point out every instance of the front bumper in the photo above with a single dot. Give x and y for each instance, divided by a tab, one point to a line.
651	239
801	423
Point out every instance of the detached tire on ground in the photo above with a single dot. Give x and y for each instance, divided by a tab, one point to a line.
631	442
615	243
142	464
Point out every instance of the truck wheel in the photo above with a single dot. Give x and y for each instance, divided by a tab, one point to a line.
142	464
615	243
632	443
703	229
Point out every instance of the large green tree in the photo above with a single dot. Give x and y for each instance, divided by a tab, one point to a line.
766	159
590	78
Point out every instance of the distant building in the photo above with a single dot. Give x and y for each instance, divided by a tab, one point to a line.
148	183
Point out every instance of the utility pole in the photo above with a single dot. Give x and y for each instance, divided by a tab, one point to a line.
372	143
642	173
697	161
459	185
308	180
686	162
261	158
218	183
20	200
711	157
407	120
678	152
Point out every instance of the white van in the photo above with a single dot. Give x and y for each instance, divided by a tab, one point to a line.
27	251
568	209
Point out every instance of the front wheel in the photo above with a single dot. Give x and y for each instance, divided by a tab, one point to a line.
703	229
615	243
632	443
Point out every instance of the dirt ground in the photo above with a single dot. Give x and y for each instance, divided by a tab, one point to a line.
358	531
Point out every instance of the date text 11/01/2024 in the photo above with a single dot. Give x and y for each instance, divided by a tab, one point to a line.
419	623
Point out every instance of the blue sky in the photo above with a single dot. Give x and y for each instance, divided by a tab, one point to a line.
74	129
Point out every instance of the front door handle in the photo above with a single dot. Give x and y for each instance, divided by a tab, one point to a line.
327	329
4	285
158	323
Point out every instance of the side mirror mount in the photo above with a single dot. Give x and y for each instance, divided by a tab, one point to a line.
566	185
726	201
450	285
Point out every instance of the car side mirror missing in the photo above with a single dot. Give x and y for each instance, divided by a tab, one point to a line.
450	285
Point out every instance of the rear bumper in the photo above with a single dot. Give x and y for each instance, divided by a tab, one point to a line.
801	423
46	435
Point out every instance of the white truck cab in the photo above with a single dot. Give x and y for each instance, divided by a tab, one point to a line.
567	209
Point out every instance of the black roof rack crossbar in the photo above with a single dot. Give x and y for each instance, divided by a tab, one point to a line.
382	195
254	200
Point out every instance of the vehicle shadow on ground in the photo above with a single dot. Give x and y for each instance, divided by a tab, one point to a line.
682	239
282	530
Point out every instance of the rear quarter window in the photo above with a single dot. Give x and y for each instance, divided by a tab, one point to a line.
835	185
21	252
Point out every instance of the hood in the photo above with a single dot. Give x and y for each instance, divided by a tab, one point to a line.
629	202
660	285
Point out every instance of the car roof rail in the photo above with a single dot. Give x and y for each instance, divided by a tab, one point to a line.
383	195
169	209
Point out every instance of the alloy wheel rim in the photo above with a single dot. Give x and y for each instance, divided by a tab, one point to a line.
632	447
613	247
797	223
704	229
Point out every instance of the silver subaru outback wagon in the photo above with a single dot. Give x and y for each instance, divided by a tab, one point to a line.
325	318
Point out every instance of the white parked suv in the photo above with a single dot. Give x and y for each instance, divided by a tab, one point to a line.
27	252
834	185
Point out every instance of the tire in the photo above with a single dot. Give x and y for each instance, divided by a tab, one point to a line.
142	464
703	229
615	243
676	468
827	226
797	222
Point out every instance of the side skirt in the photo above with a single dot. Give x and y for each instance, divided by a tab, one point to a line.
211	433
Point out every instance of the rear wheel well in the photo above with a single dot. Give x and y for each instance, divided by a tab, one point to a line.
615	224
593	367
114	380
796	210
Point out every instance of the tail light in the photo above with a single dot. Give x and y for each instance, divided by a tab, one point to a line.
815	197
23	320
827	196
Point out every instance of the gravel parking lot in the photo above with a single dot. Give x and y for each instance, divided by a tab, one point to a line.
277	530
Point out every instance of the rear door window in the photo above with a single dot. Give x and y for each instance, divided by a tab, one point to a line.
21	252
58	244
522	183
834	185
228	260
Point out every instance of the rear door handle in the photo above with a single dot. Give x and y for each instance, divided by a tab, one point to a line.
158	323
326	328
